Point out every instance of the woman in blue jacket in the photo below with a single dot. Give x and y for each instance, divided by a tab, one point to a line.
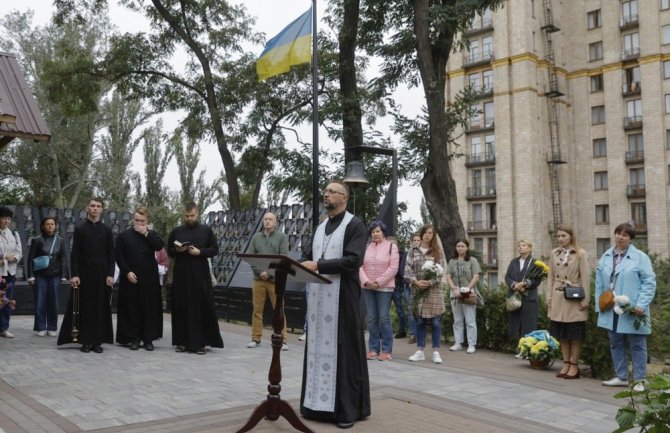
627	271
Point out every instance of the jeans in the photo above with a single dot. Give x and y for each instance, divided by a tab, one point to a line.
46	303
436	326
638	353
6	312
398	298
378	305
410	314
468	313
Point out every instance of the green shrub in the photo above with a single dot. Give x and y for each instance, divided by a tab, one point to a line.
648	410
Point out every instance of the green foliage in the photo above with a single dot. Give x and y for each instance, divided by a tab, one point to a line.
658	343
648	410
595	347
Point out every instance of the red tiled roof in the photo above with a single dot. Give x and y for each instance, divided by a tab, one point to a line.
19	114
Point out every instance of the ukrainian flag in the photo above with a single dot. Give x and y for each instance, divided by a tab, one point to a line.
292	46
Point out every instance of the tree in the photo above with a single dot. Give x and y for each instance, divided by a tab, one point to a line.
422	36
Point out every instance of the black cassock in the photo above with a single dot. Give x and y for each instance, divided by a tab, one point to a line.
352	390
92	261
194	321
140	306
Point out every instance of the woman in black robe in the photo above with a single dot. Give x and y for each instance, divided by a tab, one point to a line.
519	279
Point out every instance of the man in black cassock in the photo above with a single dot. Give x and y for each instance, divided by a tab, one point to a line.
140	305
335	385
194	321
92	266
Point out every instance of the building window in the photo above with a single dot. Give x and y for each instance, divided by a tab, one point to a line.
488	114
478	245
593	20
666	68
477	219
667	104
665	4
600	180
631	45
487	80
492	215
491	181
602	245
634	109
667	138
493	251
476	176
636	178
599	147
602	214
636	144
532	8
596	51
487	47
629	9
597	83
490	147
638	213
473	80
493	280
597	114
666	34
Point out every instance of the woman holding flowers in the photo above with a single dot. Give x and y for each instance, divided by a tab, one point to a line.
568	268
462	277
627	271
523	277
424	270
377	276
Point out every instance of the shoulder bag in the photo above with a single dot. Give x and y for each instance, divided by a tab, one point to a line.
574	293
42	262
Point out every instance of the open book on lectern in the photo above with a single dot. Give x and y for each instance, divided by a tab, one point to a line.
295	270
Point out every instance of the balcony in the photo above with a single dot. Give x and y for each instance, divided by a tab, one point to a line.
636	190
480	125
634	156
480	192
629	22
481	92
482	226
630	54
476	59
482	158
632	122
480	26
632	88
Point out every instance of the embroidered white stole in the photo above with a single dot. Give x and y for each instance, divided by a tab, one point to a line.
323	302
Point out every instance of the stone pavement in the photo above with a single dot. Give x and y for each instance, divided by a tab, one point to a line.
48	389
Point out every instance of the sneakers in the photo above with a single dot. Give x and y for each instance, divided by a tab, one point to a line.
518	356
303	337
284	347
418	356
52	333
471	349
42	334
639	387
437	359
615	381
456	347
253	343
411	340
200	351
385	356
372	355
6	334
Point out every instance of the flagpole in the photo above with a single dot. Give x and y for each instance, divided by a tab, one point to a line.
315	123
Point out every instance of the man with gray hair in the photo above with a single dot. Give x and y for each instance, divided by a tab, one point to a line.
268	241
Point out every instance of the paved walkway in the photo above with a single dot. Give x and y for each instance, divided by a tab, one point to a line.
49	389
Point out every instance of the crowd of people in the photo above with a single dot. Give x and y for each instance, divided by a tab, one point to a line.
367	271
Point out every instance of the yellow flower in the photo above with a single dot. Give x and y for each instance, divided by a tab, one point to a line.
543	345
531	340
534	350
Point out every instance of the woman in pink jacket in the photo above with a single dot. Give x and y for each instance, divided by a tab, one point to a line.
377	275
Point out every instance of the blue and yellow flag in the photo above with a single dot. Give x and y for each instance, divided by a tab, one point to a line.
292	46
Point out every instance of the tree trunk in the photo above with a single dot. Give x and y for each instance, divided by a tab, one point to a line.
352	131
437	184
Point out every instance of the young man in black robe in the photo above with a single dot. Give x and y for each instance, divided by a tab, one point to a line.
92	268
194	321
139	312
335	385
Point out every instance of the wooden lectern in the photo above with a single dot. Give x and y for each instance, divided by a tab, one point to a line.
281	267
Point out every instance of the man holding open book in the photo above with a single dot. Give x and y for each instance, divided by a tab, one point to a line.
194	321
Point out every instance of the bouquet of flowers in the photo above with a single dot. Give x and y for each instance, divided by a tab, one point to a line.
539	345
622	306
539	271
431	270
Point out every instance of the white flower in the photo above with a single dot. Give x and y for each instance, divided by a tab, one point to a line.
621	300
427	265
618	310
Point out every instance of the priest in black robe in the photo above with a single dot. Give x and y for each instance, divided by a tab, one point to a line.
336	385
140	305
194	321
92	269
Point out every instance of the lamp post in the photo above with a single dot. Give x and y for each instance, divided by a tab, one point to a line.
355	176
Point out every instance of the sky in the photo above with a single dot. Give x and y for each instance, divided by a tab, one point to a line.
271	17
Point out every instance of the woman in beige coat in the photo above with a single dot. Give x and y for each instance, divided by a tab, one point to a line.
568	266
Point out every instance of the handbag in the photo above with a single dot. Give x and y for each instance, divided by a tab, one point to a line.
513	303
574	293
606	300
42	262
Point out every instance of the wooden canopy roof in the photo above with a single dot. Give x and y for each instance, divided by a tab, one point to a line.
19	114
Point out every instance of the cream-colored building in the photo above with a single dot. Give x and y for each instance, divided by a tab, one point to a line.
574	125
